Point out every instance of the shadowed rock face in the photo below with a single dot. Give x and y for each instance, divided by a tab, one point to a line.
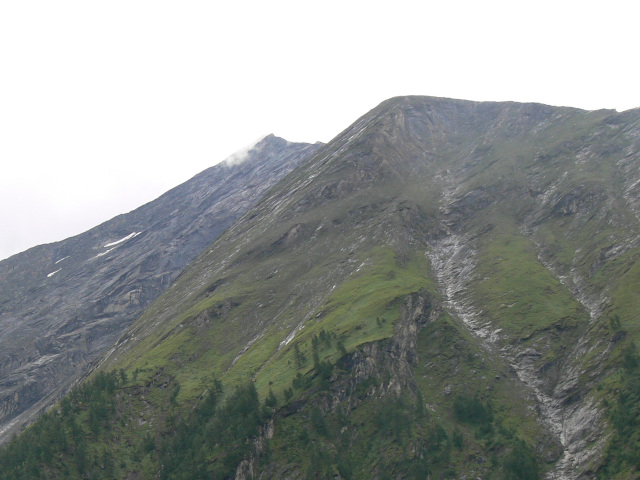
63	304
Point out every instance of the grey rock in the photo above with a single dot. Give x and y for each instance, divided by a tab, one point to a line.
62	305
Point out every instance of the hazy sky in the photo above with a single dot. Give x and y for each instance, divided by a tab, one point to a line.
104	105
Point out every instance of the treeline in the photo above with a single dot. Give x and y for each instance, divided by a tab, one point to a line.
55	446
82	436
213	440
387	436
89	435
623	453
520	463
70	442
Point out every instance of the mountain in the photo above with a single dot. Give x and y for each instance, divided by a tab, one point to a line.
63	304
447	289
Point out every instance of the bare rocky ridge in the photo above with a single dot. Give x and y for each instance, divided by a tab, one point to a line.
63	304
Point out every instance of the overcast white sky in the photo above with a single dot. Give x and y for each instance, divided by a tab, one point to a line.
105	105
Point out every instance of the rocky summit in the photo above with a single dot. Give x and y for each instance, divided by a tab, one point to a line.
447	289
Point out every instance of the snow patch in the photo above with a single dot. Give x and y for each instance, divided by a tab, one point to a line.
117	242
53	273
290	337
360	267
64	258
104	253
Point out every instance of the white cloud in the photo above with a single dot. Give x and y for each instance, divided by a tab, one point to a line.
242	154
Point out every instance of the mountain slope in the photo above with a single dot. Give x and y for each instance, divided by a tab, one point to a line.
63	304
447	288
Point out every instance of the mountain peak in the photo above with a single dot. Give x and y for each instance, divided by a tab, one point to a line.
482	205
243	153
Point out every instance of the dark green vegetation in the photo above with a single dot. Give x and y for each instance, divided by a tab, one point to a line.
448	290
76	439
367	433
56	446
623	454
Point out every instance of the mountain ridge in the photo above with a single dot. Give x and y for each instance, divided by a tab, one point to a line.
95	283
447	251
446	288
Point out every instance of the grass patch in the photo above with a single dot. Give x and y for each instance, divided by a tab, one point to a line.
362	309
516	292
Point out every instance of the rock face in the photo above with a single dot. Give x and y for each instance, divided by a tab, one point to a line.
63	304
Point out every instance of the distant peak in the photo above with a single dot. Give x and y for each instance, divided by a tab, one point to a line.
241	155
271	138
258	144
